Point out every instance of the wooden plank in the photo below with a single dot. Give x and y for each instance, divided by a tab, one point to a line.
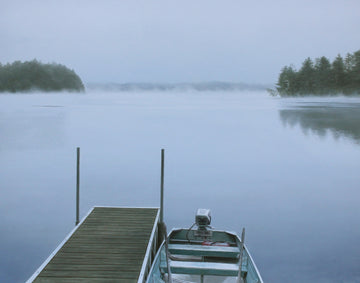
90	274
109	245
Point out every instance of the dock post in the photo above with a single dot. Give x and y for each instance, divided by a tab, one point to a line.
77	185
162	187
161	223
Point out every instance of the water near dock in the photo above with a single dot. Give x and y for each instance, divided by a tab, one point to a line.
286	169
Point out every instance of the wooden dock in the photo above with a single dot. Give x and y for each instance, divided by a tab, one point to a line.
111	244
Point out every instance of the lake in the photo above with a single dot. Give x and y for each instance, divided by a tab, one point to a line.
286	169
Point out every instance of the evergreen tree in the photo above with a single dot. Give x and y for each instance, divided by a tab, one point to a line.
355	74
283	81
306	77
352	68
349	62
338	76
287	83
322	76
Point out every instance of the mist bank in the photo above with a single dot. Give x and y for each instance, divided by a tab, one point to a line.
36	76
202	86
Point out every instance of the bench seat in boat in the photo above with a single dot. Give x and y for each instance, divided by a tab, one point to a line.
203	268
199	250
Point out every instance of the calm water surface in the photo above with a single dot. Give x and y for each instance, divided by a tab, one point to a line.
286	169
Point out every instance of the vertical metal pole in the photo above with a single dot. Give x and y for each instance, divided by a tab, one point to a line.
77	184
162	187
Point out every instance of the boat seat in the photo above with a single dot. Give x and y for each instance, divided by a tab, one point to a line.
202	268
199	250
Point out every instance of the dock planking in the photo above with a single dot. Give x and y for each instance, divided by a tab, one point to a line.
110	244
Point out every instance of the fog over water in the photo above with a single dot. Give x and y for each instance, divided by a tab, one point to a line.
183	41
286	169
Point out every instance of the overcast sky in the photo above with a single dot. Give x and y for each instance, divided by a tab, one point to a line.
177	41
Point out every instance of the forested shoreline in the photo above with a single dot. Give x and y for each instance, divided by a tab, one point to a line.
36	76
321	77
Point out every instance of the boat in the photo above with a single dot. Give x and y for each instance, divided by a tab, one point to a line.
202	254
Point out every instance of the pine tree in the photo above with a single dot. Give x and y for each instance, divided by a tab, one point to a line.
322	76
306	77
287	82
356	72
338	76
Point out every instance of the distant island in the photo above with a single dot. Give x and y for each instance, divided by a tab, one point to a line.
322	77
36	76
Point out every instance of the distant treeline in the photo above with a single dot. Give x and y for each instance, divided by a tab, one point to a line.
34	75
322	77
201	86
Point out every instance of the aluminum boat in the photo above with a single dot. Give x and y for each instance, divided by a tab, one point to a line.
202	254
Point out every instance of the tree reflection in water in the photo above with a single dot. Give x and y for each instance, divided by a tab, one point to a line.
340	119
